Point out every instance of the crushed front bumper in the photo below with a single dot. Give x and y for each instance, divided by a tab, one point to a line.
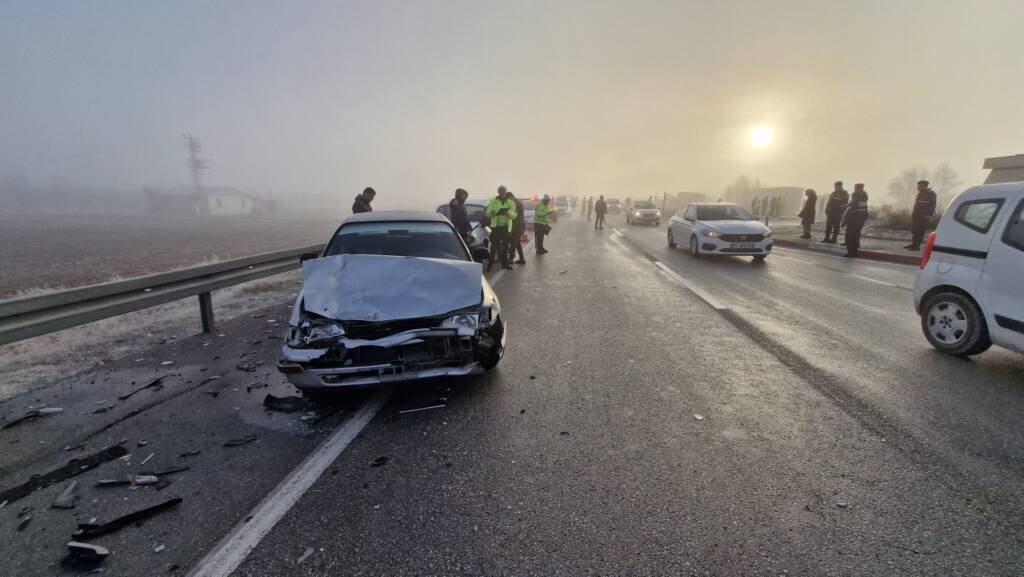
406	356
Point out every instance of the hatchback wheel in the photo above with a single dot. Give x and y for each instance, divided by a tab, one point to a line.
694	248
954	325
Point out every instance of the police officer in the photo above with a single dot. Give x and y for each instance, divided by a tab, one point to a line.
501	210
515	239
835	207
457	210
921	216
807	212
853	219
363	200
542	214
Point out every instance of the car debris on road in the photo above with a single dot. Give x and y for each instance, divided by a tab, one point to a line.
68	498
85	556
90	530
33	415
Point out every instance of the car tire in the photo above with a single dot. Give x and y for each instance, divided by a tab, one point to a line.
954	324
671	241
694	247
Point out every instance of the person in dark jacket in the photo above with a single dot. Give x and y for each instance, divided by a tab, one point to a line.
854	218
457	210
362	202
921	215
808	211
835	207
600	209
515	241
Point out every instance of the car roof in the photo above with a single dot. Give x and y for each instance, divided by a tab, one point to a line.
989	190
396	216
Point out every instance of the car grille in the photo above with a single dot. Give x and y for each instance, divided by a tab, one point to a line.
371	330
742	237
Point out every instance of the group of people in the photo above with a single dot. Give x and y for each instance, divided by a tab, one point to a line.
769	206
843	210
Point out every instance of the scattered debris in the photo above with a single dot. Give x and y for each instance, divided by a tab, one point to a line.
240	441
101	410
209	380
249	388
190	453
533	378
146	460
284	404
162	484
213	394
379	461
842	504
24	523
522	411
156	384
698	417
159	548
258	315
73	468
309	551
131	479
422	409
24	511
70	448
166	472
564	271
84	556
247	367
33	415
68	498
90	530
166	363
142	443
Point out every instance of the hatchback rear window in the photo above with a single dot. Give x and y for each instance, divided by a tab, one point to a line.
978	215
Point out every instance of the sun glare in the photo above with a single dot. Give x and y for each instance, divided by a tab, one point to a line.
761	137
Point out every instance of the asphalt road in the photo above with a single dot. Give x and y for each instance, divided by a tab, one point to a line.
655	414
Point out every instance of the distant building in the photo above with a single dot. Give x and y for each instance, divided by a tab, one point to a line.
209	201
1005	168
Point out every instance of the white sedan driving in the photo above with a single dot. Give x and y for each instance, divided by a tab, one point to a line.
719	228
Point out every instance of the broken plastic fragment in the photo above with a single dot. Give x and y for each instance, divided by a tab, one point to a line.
698	417
89	530
240	441
68	498
85	556
284	404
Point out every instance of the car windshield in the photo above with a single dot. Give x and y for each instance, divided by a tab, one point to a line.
643	204
722	212
422	239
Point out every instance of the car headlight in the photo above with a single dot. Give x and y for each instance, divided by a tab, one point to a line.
315	332
465	324
768	234
711	233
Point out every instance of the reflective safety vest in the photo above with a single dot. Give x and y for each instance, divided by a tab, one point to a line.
501	220
542	213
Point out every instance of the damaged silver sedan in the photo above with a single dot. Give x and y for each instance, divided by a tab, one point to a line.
396	296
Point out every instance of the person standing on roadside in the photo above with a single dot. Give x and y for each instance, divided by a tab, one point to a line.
808	211
835	208
515	238
457	210
600	208
500	211
854	218
542	214
921	215
363	200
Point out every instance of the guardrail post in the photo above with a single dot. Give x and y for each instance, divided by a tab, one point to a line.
206	311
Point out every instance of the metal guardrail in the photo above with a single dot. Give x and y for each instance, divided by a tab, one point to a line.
27	317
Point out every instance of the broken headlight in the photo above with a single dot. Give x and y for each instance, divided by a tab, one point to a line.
466	324
315	332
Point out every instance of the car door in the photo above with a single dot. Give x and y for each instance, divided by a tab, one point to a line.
1003	279
686	224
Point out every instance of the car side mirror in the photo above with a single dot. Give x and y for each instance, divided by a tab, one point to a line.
308	256
481	254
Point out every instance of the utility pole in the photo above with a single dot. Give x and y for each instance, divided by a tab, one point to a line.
195	164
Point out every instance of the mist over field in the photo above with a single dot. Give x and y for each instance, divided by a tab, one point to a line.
309	103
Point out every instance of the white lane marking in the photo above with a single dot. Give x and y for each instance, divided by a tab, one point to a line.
705	296
236	545
234	548
843	258
616	231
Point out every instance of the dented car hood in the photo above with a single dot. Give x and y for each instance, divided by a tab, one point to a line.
375	288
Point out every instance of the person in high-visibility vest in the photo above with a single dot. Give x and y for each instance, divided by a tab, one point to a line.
501	211
542	215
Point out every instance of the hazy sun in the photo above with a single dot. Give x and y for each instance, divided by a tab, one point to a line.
761	137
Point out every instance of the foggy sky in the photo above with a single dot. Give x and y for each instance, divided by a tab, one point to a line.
416	98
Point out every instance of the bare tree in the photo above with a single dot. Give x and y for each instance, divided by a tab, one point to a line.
945	182
903	188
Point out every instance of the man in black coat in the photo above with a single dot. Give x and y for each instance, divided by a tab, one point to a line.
459	217
854	218
921	215
835	207
807	212
362	202
515	240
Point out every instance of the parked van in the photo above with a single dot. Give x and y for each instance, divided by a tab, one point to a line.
970	290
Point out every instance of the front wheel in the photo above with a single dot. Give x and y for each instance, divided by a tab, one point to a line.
694	248
954	325
671	241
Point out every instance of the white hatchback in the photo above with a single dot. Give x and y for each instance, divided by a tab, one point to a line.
970	290
719	228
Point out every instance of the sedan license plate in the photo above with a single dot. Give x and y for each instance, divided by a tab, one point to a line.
742	245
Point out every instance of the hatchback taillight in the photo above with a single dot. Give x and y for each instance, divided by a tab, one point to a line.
927	250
